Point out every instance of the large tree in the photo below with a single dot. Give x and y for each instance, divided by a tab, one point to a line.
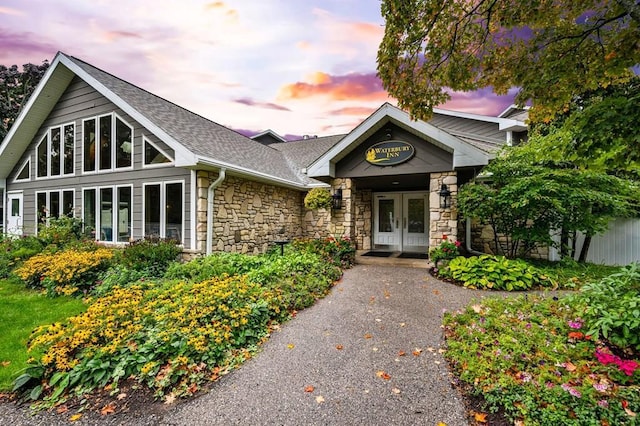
15	88
549	50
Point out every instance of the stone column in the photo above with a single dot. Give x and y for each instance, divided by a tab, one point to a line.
442	221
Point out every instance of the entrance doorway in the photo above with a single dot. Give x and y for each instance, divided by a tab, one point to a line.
14	214
401	221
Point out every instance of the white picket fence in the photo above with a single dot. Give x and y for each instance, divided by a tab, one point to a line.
619	245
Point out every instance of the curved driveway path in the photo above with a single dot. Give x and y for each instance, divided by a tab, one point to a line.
369	350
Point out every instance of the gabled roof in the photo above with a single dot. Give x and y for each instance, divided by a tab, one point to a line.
464	153
196	140
271	133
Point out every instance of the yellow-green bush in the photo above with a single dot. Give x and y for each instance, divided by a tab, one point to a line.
64	272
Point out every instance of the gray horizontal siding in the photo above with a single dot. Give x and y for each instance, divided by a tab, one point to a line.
80	101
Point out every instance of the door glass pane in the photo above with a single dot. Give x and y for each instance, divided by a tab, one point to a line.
55	151
89	212
416	215
15	207
152	210
174	211
89	145
69	148
67	203
105	142
124	213
106	214
54	204
385	219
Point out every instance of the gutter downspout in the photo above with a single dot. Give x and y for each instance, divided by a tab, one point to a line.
468	241
210	192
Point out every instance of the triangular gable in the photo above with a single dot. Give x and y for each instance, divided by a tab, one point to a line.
464	154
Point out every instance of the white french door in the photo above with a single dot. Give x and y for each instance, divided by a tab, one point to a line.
401	221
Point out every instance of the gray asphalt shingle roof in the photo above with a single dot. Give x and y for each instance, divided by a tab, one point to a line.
199	135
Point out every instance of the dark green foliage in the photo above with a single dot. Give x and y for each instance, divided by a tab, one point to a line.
611	307
339	251
215	266
61	232
495	273
151	256
13	251
446	251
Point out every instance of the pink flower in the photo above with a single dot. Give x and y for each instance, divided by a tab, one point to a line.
600	387
628	367
572	391
603	403
577	324
458	243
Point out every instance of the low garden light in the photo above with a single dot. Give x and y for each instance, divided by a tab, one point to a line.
337	199
445	197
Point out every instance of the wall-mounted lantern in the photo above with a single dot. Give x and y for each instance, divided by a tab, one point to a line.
337	199
445	197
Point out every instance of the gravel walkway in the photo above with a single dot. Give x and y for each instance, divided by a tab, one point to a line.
369	352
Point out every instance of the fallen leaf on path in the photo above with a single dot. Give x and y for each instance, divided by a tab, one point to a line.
442	424
170	399
62	409
386	294
417	352
309	389
476	308
395	390
339	347
436	292
291	346
378	320
402	353
75	417
108	409
319	399
430	349
368	336
480	417
441	351
383	375
402	324
121	396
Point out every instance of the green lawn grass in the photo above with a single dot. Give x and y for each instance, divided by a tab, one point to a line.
21	310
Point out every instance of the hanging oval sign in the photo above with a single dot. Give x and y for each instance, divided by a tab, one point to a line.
389	153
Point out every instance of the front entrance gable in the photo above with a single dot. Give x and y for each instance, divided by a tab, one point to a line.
463	154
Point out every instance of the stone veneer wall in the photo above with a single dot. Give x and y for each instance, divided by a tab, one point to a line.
364	219
442	221
248	215
482	238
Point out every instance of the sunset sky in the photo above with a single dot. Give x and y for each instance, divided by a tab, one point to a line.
297	67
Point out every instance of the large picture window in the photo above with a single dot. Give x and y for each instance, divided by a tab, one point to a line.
55	153
164	210
54	204
107	143
107	213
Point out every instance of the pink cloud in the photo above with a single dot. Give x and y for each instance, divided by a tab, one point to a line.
24	46
117	35
268	105
11	11
482	101
360	111
353	86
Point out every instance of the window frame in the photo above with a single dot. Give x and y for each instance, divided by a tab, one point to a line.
163	212
61	213
115	200
48	139
113	148
146	140
25	164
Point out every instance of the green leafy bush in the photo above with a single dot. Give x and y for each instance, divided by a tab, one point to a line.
318	198
611	307
14	251
446	251
215	265
529	357
494	272
61	231
339	251
151	256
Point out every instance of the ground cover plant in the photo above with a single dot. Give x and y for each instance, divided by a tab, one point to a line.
540	361
22	310
172	334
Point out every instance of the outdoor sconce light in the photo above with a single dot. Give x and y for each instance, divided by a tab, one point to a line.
445	197
337	199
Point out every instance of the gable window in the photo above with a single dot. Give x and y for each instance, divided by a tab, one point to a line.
153	155
109	211
55	152
107	143
25	172
54	204
164	210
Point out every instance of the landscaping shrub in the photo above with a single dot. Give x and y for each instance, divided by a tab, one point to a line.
151	256
339	251
64	272
61	231
611	307
447	250
530	357
15	250
168	336
318	198
215	265
494	272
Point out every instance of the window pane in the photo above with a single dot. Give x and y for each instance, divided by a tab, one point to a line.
54	204
416	215
152	210
153	156
69	148
67	203
55	151
106	214
105	142
41	202
89	212
15	207
124	144
174	211
25	172
385	209
43	158
89	145
124	214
